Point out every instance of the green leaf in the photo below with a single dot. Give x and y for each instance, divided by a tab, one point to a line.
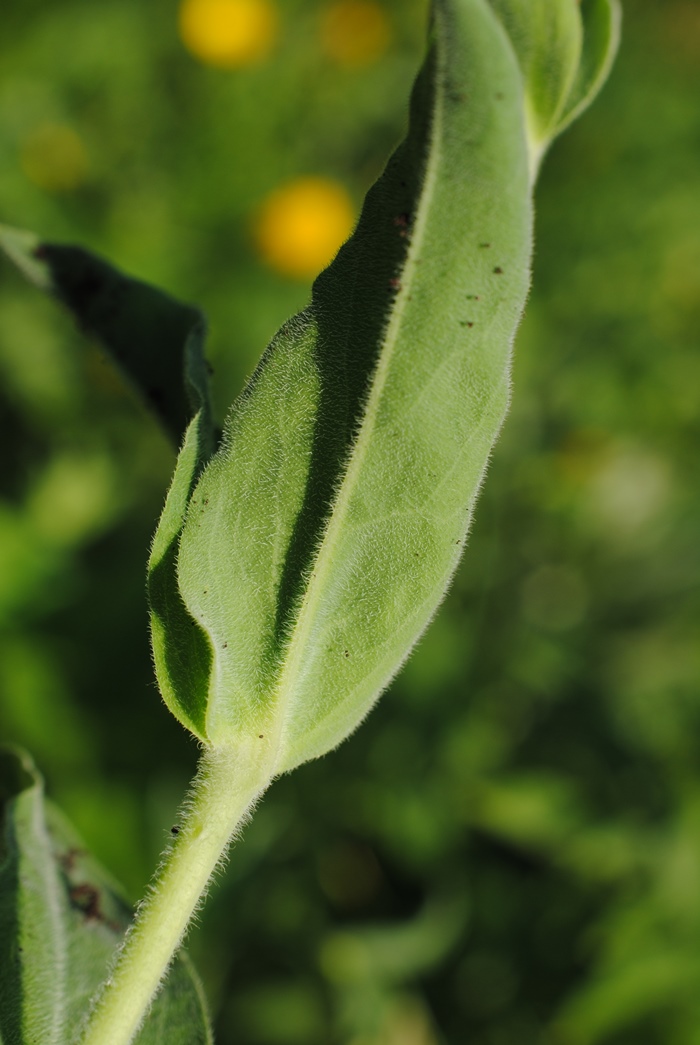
548	38
181	650
156	341
61	917
602	20
565	49
322	535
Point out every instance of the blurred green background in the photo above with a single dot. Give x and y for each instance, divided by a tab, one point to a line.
508	851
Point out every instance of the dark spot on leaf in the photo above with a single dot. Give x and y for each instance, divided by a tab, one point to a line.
225	645
472	297
260	736
402	221
465	323
484	246
346	653
210	368
498	270
175	830
67	860
86	898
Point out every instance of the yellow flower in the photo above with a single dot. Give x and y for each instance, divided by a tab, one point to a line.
54	158
355	32
228	33
301	226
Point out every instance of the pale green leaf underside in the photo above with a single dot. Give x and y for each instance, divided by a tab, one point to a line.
61	918
321	537
565	49
548	37
602	20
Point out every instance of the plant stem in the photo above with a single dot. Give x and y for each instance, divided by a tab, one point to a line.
227	785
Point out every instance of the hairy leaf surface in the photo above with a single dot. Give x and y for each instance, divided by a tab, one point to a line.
294	569
323	534
601	38
565	49
61	917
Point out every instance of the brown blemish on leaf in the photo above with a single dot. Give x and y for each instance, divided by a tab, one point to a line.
86	898
67	860
403	224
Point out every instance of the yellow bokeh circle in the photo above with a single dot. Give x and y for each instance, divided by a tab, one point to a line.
301	225
228	33
354	32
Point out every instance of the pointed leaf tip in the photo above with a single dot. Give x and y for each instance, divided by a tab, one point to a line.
21	248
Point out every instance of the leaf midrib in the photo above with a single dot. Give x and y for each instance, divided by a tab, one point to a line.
322	562
54	909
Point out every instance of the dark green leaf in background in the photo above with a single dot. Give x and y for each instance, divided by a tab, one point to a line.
155	340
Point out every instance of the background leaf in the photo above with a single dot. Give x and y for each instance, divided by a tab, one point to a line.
61	917
155	340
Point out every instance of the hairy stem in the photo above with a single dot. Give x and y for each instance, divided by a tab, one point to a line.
227	785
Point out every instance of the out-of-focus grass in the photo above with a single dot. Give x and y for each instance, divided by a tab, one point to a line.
509	849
